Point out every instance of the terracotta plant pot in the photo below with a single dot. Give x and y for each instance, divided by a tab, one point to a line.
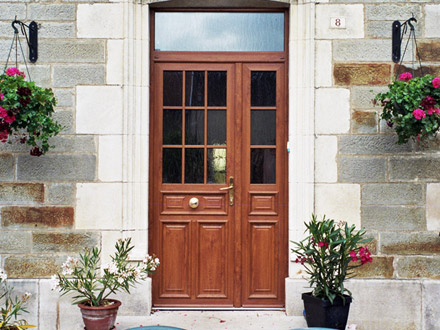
100	318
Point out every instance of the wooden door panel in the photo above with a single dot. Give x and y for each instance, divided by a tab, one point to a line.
212	260
210	203
175	261
263	203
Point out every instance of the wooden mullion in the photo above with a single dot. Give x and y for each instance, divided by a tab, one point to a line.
205	164
183	124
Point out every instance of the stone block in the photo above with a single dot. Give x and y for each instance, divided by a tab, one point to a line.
71	51
364	122
50	242
8	11
21	193
432	17
431	307
393	194
361	169
99	110
382	29
423	168
426	69
15	241
73	144
56	168
100	21
33	266
323	62
110	158
354	21
433	206
361	74
106	210
65	119
138	302
339	202
294	289
40	74
332	111
418	267
51	12
380	267
48	300
420	243
397	12
6	167
61	193
115	60
365	50
57	30
372	245
385	304
36	217
430	50
20	288
326	149
72	75
371	145
362	97
65	97
395	218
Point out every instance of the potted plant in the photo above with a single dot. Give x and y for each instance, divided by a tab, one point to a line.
93	285
330	253
411	107
12	307
26	112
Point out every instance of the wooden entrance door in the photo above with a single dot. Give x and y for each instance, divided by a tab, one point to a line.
218	194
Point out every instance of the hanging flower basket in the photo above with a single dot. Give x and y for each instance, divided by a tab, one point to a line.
412	107
26	112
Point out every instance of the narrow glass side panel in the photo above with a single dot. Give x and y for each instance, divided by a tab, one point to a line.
172	165
263	165
216	165
227	31
194	167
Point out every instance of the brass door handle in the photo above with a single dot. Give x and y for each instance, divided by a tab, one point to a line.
193	203
231	190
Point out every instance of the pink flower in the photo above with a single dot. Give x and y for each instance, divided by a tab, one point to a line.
322	244
353	255
14	71
406	76
9	119
4	136
419	114
436	82
1	96
3	112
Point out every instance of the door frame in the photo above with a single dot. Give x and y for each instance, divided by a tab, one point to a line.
224	57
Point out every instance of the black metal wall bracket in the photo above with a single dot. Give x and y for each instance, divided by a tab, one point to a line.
396	41
32	41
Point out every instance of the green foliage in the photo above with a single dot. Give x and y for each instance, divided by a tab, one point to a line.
12	307
329	254
82	275
399	103
26	110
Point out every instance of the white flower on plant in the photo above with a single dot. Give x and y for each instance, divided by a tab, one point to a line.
26	296
157	261
3	275
55	282
120	280
112	268
69	265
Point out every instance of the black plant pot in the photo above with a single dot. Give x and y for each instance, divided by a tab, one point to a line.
321	313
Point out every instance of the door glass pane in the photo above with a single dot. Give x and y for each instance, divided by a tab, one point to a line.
194	165
216	127
172	165
195	88
172	127
191	31
263	165
172	88
263	127
216	165
195	127
263	88
217	88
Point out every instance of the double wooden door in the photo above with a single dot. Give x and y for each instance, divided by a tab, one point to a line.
218	201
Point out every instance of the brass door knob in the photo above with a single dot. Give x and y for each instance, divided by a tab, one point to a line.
193	203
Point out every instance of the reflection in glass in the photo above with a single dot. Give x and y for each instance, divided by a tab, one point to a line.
217	88
225	31
195	127
216	127
263	88
172	88
172	127
195	88
194	165
263	163
263	127
172	165
216	165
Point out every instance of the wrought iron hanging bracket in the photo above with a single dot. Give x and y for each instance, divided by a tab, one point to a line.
32	40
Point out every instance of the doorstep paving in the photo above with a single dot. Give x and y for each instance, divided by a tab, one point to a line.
215	320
